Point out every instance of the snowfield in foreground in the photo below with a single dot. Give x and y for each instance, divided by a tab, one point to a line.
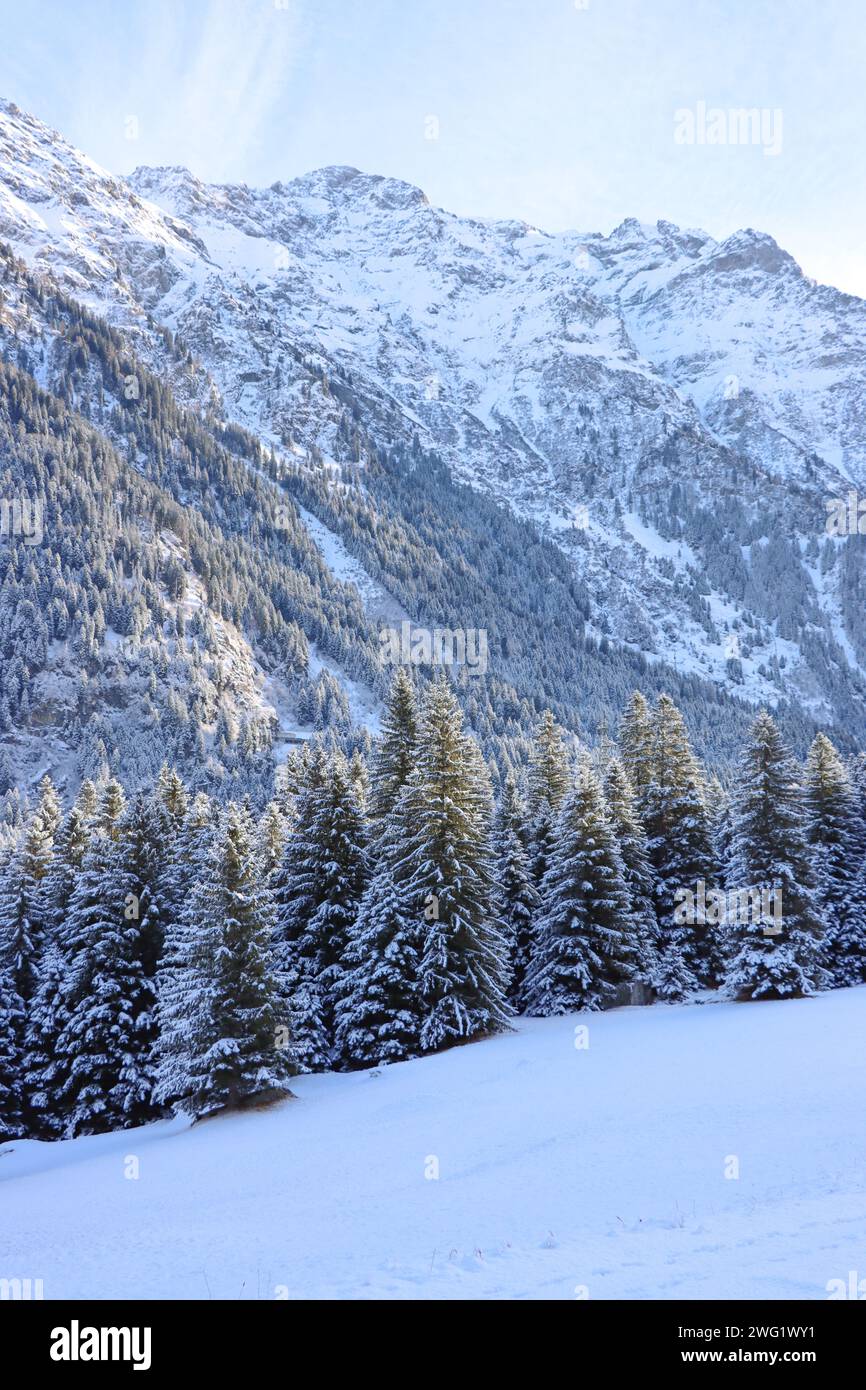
562	1171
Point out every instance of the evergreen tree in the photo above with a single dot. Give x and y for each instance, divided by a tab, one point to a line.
378	1010
517	896
172	793
106	1041
22	944
848	958
769	854
227	1031
395	753
444	876
721	836
360	780
186	877
50	809
547	784
12	1116
271	837
632	842
109	809
142	837
584	946
318	888
830	834
680	850
636	746
191	893
857	839
45	1068
87	800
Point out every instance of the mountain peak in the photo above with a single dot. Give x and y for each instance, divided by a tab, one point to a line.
338	183
750	248
630	229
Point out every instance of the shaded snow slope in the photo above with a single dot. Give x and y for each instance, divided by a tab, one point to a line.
558	1168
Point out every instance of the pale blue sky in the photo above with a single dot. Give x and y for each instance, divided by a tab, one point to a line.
547	110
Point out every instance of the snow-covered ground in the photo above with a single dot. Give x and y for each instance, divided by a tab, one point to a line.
563	1171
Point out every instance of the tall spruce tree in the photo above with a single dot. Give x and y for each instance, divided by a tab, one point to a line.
109	808
721	834
678	833
444	875
105	1047
360	776
395	752
318	888
227	1040
831	835
271	837
849	946
12	1019
585	949
45	1067
636	746
547	784
87	800
50	809
848	959
632	842
190	892
171	791
517	896
857	780
22	906
769	854
378	1005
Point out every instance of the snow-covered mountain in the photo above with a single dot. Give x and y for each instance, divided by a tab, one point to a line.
673	412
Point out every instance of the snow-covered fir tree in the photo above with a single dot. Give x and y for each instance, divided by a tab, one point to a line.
444	876
50	810
190	893
172	793
517	896
677	823
45	1068
636	746
228	1033
585	948
395	752
632	843
769	855
547	783
857	782
111	801
87	800
105	1046
721	833
271	837
360	780
290	779
318	887
22	906
378	1004
831	835
848	959
142	836
12	1020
